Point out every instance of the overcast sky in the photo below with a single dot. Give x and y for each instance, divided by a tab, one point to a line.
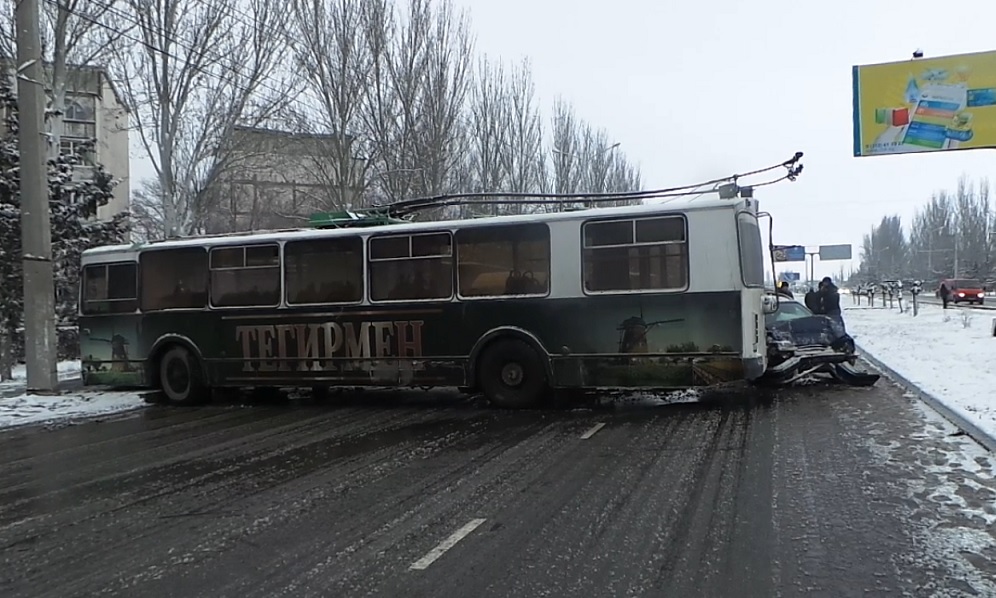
701	89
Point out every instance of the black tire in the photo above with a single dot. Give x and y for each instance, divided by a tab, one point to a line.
512	375
181	377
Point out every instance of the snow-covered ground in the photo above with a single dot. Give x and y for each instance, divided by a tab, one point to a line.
18	408
67	371
32	409
949	354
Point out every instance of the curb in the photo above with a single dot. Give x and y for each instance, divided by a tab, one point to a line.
973	431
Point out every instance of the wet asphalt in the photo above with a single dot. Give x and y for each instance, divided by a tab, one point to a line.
816	491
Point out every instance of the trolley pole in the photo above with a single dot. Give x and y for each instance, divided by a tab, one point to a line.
36	231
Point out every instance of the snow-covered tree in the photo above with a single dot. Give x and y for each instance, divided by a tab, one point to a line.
73	204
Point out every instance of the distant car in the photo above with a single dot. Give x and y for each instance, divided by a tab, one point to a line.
801	343
964	289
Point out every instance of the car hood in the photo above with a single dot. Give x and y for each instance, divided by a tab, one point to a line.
808	330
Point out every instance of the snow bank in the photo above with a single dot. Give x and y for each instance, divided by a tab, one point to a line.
949	354
33	409
67	369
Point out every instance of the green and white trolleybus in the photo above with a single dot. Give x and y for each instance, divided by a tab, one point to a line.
667	295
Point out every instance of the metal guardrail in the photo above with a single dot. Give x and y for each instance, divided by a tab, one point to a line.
935	301
906	299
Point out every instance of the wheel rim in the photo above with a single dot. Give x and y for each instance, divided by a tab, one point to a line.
512	374
177	376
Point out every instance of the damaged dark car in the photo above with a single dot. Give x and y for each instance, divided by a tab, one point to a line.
803	345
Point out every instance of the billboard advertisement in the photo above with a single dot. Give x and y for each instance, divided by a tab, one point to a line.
790	276
790	253
925	105
835	252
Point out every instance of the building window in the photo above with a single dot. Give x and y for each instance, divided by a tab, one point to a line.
324	270
645	254
245	275
80	109
80	147
174	278
504	260
411	267
110	288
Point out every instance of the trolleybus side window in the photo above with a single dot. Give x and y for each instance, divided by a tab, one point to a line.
635	254
174	278
411	267
751	251
110	288
324	270
245	275
504	260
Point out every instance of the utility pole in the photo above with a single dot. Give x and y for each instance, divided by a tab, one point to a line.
36	231
956	255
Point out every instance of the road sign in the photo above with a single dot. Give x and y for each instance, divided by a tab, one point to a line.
835	252
790	253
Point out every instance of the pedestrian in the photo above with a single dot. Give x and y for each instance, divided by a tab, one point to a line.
783	289
812	301
829	301
945	295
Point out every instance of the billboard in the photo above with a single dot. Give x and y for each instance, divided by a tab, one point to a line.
790	276
790	253
835	252
925	105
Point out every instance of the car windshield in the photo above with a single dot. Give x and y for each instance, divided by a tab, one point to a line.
788	310
966	284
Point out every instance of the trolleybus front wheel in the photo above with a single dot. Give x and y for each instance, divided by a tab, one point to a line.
512	374
180	377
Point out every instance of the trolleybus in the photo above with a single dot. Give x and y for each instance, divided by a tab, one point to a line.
666	295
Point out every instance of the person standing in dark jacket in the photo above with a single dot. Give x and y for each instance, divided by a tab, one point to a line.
812	300
829	300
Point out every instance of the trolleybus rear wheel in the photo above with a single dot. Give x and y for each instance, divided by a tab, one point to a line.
180	377
512	375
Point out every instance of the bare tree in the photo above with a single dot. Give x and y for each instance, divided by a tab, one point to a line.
443	95
201	69
524	161
488	145
567	141
420	76
75	33
79	32
973	224
335	60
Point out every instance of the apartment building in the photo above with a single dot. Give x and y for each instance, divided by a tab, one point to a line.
275	179
95	110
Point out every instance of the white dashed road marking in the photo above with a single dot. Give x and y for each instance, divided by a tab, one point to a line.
446	544
592	431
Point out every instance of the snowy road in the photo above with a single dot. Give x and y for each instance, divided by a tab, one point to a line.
816	491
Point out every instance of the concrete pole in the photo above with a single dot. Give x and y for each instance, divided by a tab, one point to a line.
36	231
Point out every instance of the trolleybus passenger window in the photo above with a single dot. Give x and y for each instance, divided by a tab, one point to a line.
245	276
174	278
411	267
324	270
635	255
504	260
110	288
